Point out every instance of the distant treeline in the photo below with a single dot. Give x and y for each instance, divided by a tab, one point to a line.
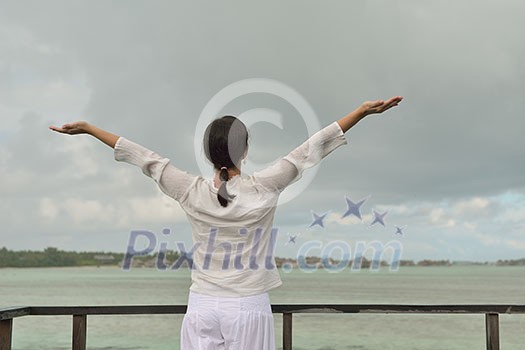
427	262
53	257
516	262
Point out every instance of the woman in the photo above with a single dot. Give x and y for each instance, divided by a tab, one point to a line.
231	216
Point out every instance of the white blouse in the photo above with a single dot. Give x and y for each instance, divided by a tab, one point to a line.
233	245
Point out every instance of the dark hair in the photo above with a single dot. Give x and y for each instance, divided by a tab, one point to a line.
225	143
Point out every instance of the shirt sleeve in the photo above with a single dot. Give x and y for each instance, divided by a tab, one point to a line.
289	169
171	180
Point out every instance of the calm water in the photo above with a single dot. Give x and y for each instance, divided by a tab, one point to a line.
425	285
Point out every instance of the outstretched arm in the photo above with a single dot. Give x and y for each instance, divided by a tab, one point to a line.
171	180
289	169
367	108
82	127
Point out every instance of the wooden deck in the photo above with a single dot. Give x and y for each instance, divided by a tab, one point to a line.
80	313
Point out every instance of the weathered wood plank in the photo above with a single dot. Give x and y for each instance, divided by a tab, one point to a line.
277	308
397	308
492	331
287	331
6	334
13	312
108	310
79	332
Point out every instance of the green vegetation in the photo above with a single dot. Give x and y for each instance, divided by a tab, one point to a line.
517	262
53	257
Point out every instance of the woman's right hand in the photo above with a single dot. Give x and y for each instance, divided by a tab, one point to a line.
75	128
82	127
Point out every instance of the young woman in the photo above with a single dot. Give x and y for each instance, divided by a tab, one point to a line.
231	217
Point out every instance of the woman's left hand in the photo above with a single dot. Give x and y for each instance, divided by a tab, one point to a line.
74	128
379	106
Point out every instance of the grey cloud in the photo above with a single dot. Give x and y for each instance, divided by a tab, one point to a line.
149	70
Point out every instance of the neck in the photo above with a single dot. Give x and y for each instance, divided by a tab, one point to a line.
231	172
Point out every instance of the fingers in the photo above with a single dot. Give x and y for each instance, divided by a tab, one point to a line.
65	129
395	100
379	106
392	102
56	128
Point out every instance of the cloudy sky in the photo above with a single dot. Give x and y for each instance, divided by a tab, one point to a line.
447	164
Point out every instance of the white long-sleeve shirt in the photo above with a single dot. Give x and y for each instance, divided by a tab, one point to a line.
233	245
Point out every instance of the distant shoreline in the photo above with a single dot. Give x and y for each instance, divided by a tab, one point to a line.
119	267
53	257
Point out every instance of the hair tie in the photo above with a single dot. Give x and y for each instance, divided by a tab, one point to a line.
224	168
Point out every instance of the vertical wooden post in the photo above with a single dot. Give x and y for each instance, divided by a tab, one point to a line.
6	334
287	331
79	332
492	331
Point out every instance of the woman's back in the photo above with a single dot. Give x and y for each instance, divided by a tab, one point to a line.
233	245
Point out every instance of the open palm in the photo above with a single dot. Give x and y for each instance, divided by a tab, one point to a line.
71	128
379	106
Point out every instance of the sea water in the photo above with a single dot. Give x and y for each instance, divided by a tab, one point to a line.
409	285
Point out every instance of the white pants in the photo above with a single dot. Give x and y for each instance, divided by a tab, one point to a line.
212	323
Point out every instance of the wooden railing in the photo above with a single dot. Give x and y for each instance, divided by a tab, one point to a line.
80	313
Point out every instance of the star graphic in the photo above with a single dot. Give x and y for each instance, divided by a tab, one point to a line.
399	230
318	219
353	208
378	218
292	238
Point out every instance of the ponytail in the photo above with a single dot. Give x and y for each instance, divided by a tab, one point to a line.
222	195
225	144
